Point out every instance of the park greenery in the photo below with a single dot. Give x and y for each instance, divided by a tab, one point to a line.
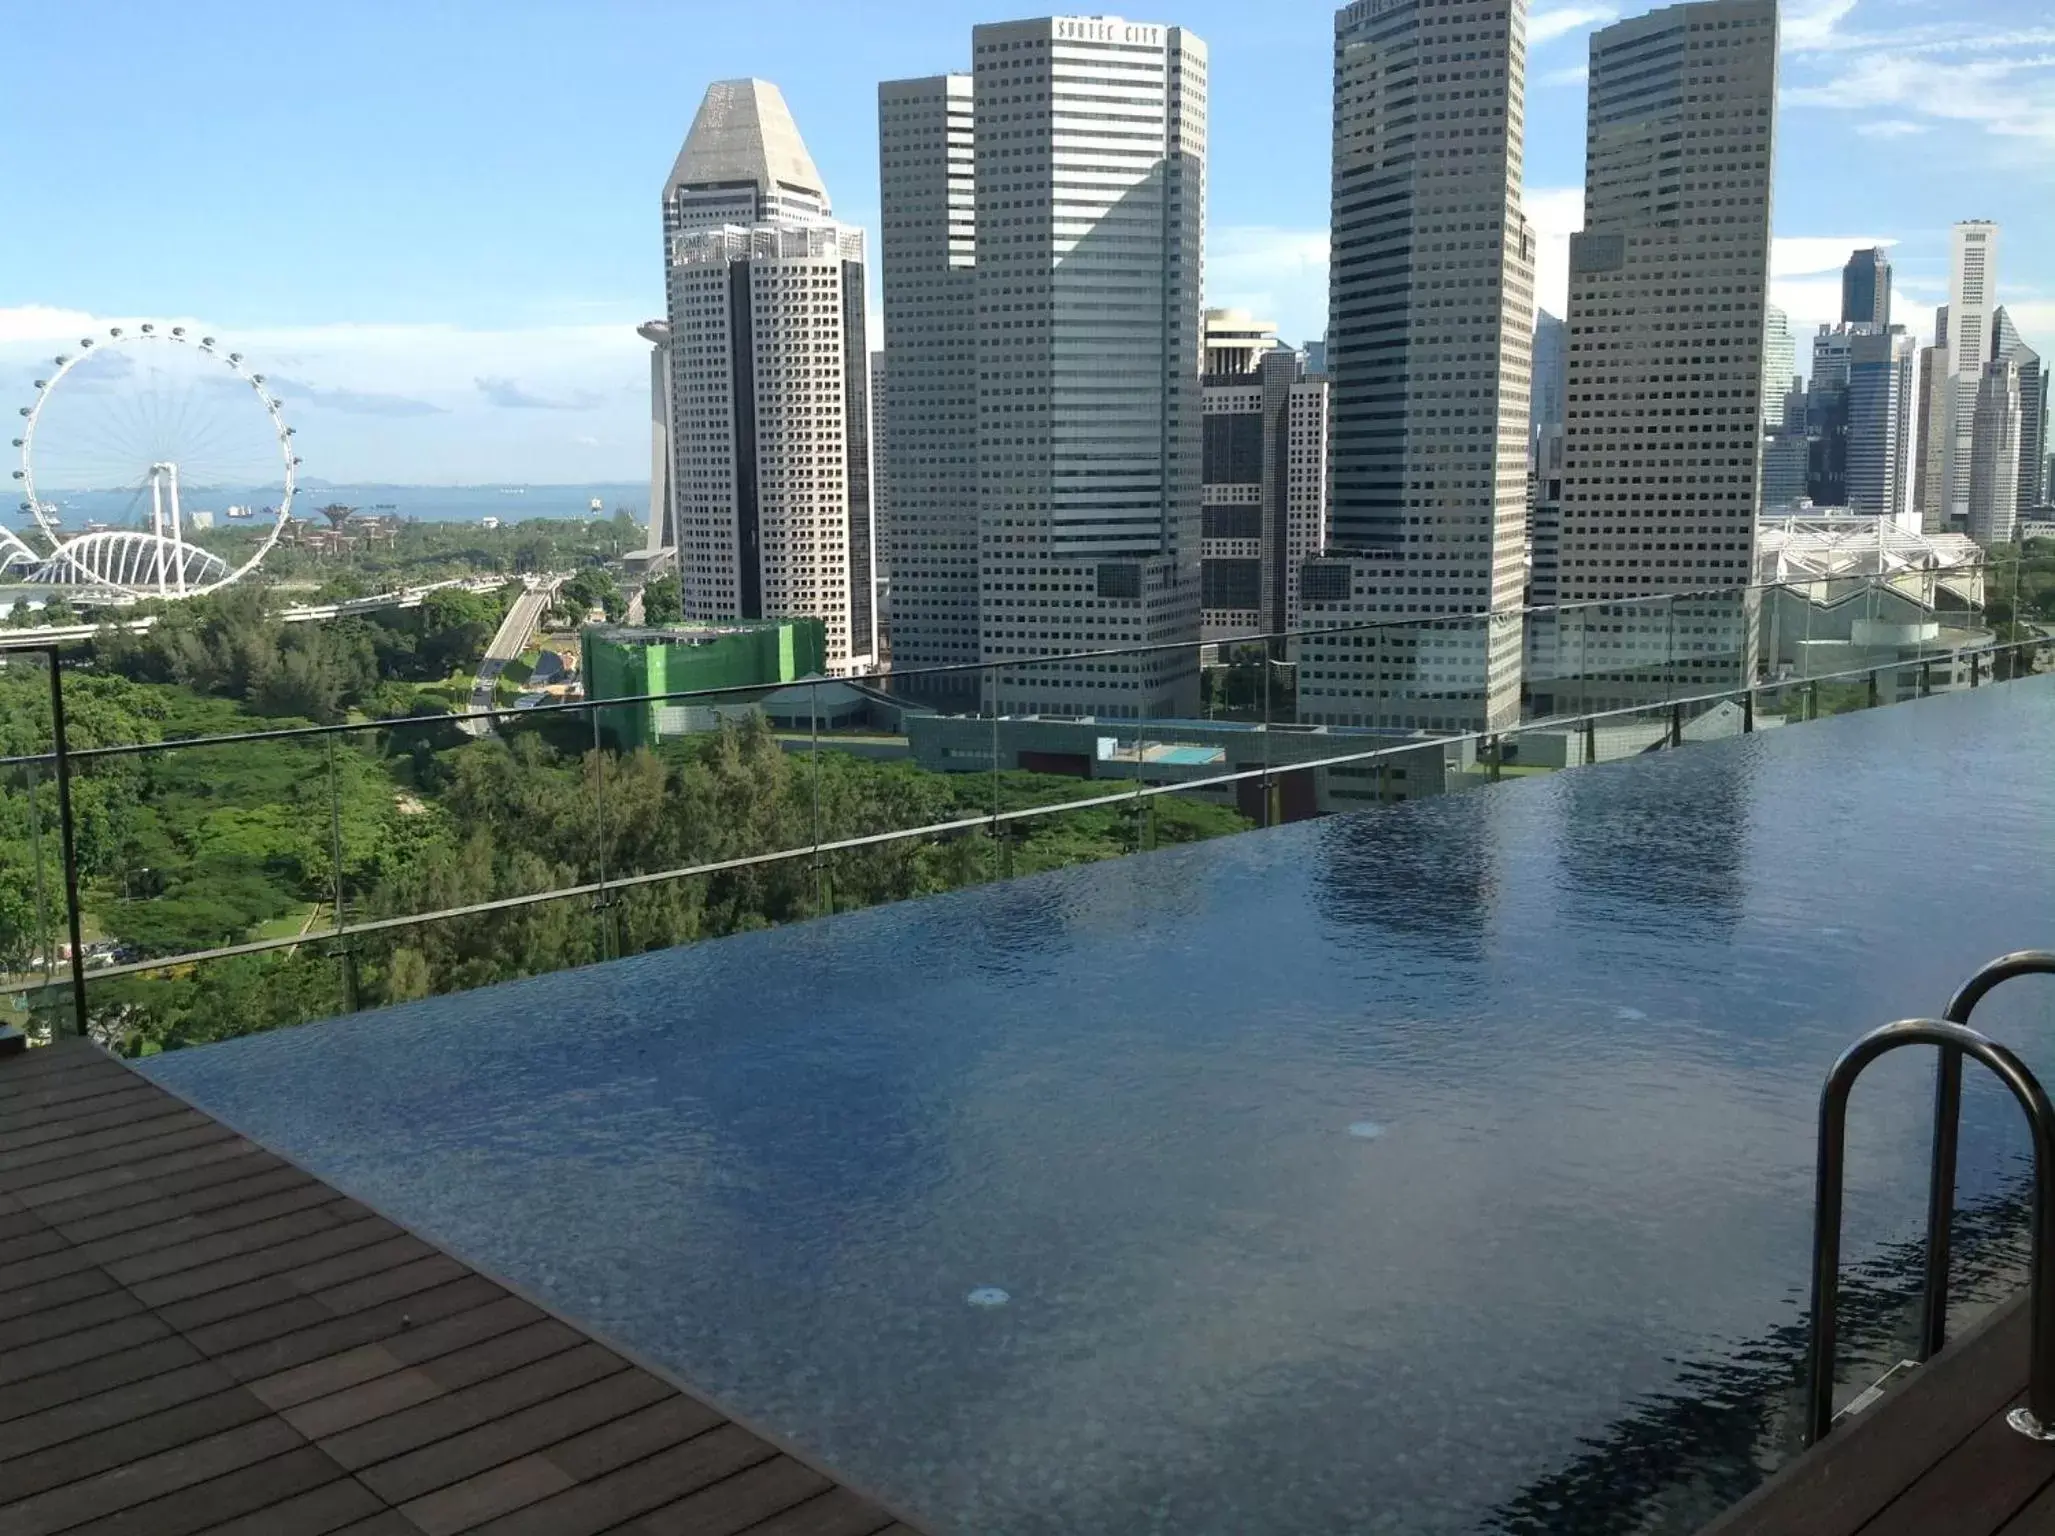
214	844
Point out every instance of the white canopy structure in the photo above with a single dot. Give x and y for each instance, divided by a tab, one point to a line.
1828	557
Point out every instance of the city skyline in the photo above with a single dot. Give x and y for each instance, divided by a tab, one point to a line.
409	349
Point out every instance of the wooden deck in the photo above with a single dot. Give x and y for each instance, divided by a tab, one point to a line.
197	1336
1935	1458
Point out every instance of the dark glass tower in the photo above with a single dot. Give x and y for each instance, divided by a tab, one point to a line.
1866	289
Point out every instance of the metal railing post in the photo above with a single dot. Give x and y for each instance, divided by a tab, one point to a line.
1933	1327
1812	704
1676	725
67	836
1748	712
2037	1417
1872	687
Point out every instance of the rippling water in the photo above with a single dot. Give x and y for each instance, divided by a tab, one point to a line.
1443	1168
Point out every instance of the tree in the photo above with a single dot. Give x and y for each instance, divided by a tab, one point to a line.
663	601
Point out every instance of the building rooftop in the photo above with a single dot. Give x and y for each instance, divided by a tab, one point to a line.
743	132
1373	1169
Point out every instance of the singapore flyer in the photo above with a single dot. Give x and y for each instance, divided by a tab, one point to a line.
153	463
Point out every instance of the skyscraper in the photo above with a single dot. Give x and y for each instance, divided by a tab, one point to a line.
663	517
1881	428
1936	434
770	420
1429	338
1826	417
1087	148
1264	476
1779	365
1551	373
1667	325
1866	289
1972	291
1994	464
2006	342
925	155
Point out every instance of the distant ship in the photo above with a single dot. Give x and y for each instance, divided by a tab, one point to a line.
596	505
513	490
488	522
241	512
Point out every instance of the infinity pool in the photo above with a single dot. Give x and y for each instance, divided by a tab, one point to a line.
1362	1175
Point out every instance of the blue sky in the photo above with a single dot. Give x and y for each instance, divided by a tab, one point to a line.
439	221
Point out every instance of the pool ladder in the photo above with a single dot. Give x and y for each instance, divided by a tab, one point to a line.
1955	1039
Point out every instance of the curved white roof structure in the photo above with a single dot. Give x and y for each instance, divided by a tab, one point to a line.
1823	549
127	558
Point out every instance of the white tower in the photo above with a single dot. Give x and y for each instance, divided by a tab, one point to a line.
770	418
1972	294
1668	320
1429	349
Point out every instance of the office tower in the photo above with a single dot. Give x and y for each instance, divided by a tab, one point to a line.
1263	477
769	417
1544	567
1826	417
1088	160
1930	462
1866	289
1667	329
2006	342
1972	286
1881	433
1779	365
1316	356
1551	373
1994	463
1429	339
930	391
663	519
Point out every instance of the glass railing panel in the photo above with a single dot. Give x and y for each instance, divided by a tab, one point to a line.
144	1009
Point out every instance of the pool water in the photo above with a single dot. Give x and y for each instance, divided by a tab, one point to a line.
1361	1175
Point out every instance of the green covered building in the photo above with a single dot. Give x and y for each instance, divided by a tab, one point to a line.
626	662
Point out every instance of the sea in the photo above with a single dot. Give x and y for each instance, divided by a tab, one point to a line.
427	503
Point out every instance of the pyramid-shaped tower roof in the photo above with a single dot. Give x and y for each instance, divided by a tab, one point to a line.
744	132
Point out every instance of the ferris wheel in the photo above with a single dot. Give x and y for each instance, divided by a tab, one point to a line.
153	464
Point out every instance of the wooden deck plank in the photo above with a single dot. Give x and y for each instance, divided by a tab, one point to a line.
198	1337
838	1512
206	1506
350	1367
1836	1488
738	1503
317	1512
117	1405
166	1430
330	1333
530	1430
1977	1487
618	1497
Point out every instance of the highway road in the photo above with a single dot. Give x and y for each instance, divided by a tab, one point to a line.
508	642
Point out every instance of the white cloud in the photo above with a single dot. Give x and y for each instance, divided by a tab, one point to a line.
1803	255
404	403
1556	213
1998	79
1547	26
1276	274
1575	74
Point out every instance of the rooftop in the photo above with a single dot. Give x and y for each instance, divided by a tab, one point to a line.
1376	1168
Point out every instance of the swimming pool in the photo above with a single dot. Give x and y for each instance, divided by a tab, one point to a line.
1348	1176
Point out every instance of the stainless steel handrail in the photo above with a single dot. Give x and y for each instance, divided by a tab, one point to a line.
2037	1417
1933	1328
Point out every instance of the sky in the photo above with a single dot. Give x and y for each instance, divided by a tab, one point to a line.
437	225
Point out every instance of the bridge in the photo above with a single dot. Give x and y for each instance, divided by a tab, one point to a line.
302	613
